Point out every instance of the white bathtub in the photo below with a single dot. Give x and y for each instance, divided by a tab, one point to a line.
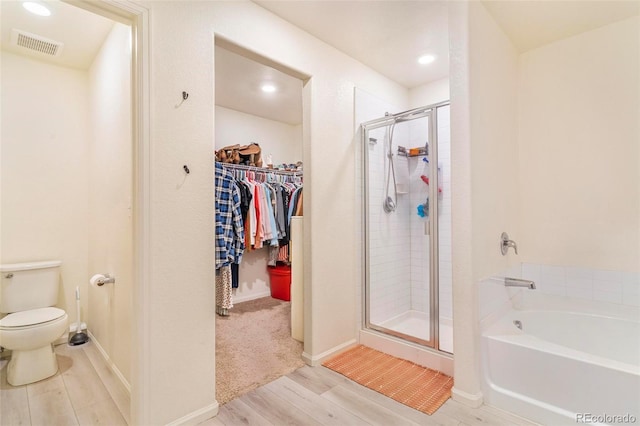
571	360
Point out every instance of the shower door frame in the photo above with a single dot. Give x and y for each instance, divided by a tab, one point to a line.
430	112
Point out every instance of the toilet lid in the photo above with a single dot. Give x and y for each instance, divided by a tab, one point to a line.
31	317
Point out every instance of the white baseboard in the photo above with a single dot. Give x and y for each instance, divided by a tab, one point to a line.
320	358
251	296
198	416
468	399
110	363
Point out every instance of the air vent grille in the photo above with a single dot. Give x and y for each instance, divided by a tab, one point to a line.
36	43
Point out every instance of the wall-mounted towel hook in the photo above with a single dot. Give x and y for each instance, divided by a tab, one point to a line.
186	169
185	96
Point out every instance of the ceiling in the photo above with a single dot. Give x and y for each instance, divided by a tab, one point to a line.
238	87
530	24
81	32
386	35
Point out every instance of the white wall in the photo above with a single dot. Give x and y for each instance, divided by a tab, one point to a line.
494	148
110	197
430	93
484	172
181	294
579	141
282	140
44	212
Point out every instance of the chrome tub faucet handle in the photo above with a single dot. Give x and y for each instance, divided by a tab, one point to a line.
505	243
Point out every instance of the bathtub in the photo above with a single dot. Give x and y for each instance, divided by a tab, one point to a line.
568	361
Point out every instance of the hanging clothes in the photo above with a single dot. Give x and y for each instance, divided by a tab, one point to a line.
223	290
229	228
266	199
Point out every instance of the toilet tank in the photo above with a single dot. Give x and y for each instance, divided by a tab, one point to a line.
32	285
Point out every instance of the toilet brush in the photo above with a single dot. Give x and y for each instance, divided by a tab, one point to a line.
79	337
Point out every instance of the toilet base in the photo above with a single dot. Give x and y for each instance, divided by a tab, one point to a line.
31	366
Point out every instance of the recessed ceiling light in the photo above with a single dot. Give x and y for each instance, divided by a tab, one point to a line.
426	59
36	8
268	88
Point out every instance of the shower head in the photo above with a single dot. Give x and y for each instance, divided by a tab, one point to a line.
389	205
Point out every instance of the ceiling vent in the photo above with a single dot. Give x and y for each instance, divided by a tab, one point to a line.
36	43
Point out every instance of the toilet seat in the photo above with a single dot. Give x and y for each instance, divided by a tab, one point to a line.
30	318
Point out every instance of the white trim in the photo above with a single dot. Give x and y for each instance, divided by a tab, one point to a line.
319	359
470	400
198	416
251	296
137	16
110	363
141	372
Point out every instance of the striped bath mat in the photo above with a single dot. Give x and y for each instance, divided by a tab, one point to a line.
410	384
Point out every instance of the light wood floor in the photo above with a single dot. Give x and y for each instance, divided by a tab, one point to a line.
83	392
319	396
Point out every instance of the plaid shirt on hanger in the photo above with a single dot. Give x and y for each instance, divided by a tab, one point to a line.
229	225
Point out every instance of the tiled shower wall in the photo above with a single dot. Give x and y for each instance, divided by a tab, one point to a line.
419	191
389	233
418	132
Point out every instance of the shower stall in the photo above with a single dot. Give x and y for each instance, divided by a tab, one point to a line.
407	226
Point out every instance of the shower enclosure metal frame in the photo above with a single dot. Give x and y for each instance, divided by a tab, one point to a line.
429	112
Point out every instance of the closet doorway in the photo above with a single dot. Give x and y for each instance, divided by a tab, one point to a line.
258	107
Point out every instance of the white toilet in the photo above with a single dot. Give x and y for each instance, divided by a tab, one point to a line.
28	292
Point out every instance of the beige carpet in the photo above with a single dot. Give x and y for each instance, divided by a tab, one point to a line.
254	347
408	383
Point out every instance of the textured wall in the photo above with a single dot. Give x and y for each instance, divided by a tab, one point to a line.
181	292
579	102
110	198
282	140
45	168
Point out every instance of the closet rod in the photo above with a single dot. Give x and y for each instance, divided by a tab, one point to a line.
262	169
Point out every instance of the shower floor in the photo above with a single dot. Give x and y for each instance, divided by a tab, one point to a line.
412	323
416	324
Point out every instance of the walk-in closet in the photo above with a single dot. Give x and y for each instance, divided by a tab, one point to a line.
259	182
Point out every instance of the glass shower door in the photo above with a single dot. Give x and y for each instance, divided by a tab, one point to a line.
401	264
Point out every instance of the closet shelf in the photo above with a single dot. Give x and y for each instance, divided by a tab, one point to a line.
294	173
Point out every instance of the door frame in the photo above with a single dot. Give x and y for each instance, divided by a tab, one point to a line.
137	17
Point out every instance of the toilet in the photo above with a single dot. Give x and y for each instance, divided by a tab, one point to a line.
28	292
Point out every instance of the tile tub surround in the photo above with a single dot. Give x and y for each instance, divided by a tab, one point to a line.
585	283
598	285
493	296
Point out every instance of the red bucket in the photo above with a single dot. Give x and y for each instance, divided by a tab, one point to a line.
280	277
